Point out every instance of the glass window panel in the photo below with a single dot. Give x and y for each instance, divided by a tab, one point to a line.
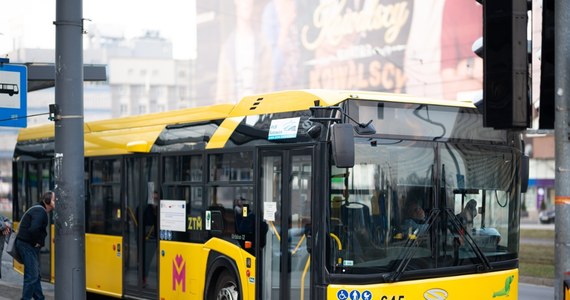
170	169
369	203
422	121
385	214
481	188
193	195
237	208
231	167
183	168
192	168
103	213
185	137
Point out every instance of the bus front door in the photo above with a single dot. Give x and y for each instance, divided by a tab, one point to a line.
285	188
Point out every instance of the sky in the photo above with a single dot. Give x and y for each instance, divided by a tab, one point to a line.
29	23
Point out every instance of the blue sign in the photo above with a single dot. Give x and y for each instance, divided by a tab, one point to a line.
13	95
354	295
342	295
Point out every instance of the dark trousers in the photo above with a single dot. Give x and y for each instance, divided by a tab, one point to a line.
32	275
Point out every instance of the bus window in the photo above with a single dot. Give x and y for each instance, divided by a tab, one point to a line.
183	180
193	195
480	184
231	167
103	214
36	179
384	212
236	207
231	194
369	201
187	168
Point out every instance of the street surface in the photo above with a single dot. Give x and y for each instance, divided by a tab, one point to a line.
533	292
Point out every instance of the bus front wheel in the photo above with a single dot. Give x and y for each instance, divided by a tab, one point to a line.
226	287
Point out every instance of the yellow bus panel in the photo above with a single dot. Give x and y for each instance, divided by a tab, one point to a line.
495	285
103	262
36	132
181	116
183	268
223	133
130	134
118	141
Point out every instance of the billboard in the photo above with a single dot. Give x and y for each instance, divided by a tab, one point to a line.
420	47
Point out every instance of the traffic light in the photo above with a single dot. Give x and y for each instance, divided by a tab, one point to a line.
506	98
546	113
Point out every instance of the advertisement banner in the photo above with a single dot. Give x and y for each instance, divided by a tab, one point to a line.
418	47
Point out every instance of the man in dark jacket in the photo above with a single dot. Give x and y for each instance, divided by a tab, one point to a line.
32	234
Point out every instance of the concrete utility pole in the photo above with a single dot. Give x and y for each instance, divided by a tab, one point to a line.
68	166
562	129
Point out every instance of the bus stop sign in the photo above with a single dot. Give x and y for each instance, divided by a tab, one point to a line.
13	94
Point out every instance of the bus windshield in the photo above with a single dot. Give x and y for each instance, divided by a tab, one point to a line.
413	204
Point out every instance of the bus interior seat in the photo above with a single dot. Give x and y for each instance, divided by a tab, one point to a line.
356	216
356	221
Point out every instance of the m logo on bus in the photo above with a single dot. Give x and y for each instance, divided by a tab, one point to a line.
178	273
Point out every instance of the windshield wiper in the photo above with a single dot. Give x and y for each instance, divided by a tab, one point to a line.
469	238
411	250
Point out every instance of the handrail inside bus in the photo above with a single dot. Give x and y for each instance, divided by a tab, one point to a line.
298	244
275	230
337	240
132	215
305	270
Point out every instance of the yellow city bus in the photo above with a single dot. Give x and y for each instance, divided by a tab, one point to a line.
308	194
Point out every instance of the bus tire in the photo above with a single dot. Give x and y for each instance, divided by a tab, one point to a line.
226	287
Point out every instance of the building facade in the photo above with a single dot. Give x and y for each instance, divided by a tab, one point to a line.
142	77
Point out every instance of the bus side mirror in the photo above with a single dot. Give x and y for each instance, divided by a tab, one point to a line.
342	138
524	173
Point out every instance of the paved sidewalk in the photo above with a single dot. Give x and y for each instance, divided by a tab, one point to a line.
11	291
11	282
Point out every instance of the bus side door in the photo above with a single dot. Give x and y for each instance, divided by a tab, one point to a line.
285	187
